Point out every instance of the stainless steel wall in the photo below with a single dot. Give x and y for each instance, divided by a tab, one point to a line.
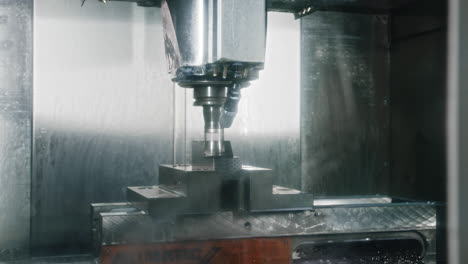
418	97
102	113
16	41
418	109
345	104
267	131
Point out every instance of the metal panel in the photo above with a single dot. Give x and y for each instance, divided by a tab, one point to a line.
241	30
418	109
344	104
102	114
15	126
418	102
457	141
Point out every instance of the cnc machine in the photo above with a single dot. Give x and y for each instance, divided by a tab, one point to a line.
217	210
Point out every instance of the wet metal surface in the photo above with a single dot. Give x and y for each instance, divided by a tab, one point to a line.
344	104
102	114
15	126
352	201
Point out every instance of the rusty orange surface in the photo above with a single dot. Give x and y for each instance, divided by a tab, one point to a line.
258	251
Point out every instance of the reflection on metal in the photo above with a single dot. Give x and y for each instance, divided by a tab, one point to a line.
457	140
352	201
342	222
15	126
307	10
198	33
345	108
102	115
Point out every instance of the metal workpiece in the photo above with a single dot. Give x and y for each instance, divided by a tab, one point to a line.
181	190
97	208
223	186
261	195
161	201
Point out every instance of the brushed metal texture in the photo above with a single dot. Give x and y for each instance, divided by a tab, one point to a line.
201	32
327	220
345	104
102	118
15	126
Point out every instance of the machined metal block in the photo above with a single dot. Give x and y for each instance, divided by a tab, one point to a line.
182	190
261	195
161	201
201	186
291	199
249	189
256	188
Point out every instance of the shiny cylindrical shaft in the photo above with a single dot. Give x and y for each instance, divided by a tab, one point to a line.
214	132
